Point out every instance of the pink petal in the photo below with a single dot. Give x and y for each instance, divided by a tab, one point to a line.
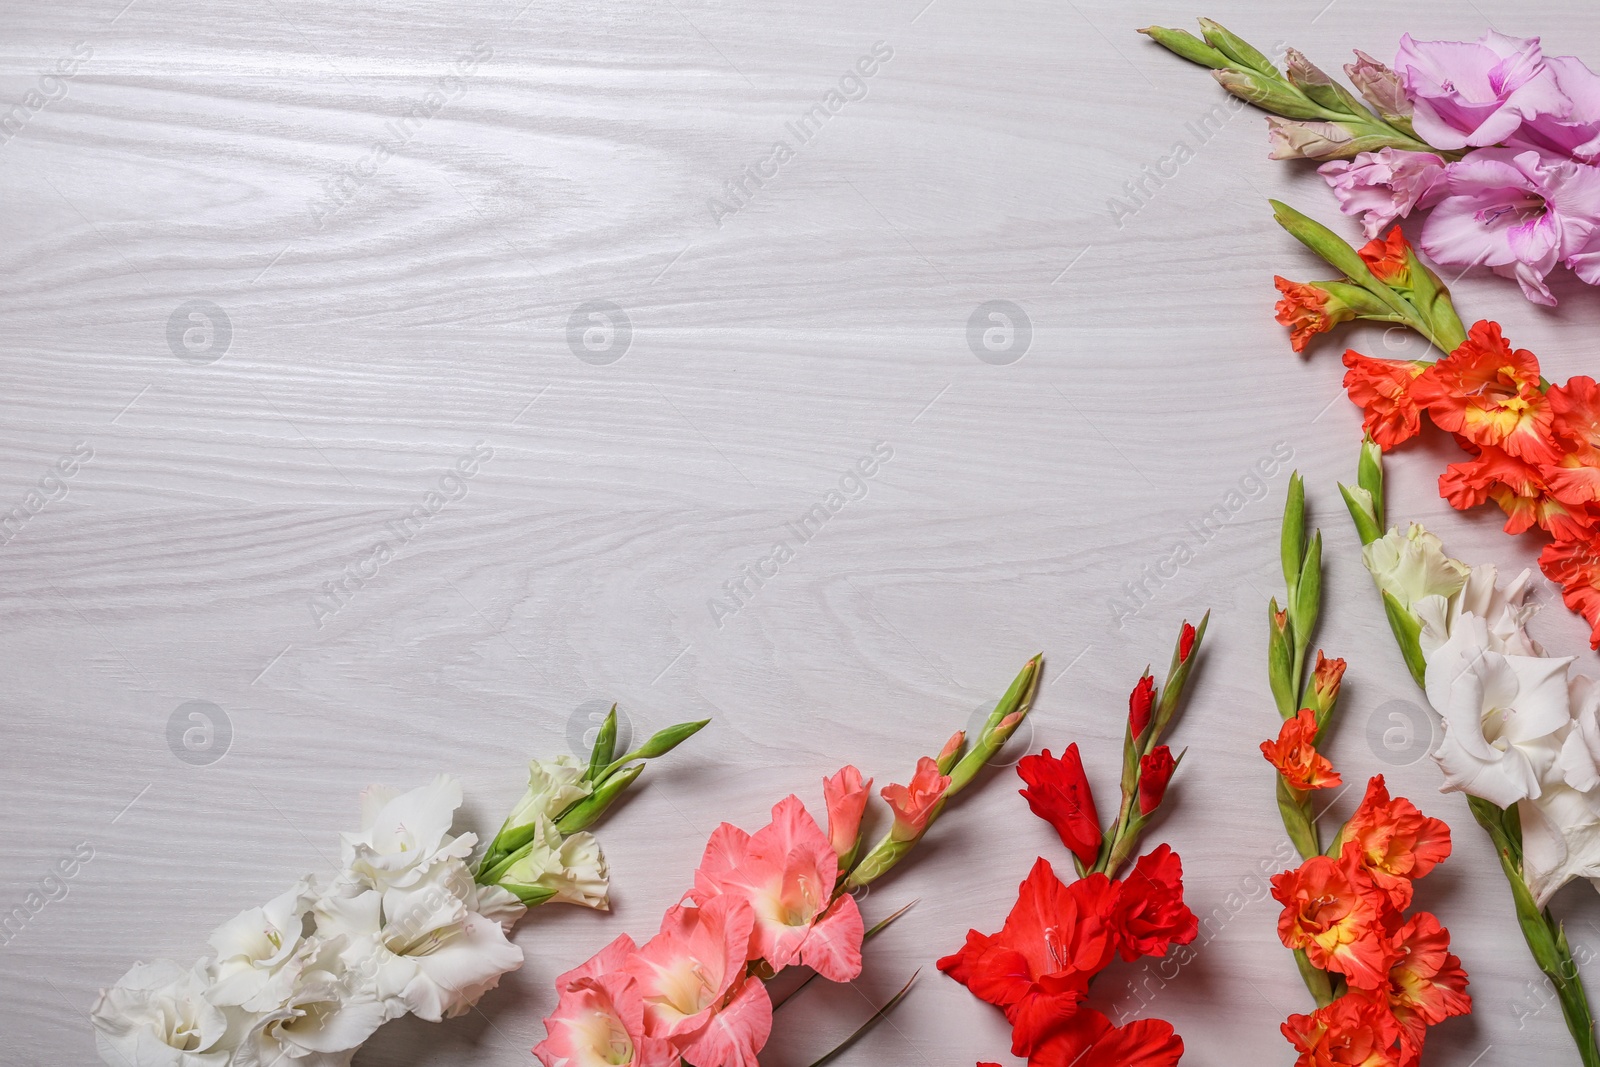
736	1033
833	946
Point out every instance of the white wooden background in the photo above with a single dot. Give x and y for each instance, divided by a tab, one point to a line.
374	344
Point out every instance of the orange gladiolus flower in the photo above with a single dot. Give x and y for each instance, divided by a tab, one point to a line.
1353	1031
1295	754
1575	566
1382	388
1394	842
1489	393
1308	310
1386	258
1575	478
1518	487
1333	910
1426	983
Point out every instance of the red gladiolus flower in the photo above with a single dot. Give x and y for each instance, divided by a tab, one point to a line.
1386	257
1394	842
1037	968
1139	702
1382	389
1489	393
1155	771
1353	1031
1307	311
1333	910
1295	754
1185	642
1575	566
1089	1040
1519	487
1575	477
1058	792
1426	983
1149	913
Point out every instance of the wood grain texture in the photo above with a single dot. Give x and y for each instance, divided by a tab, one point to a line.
384	327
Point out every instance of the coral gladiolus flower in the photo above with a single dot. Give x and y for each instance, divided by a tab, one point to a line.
786	872
1037	968
1307	311
1149	914
1058	792
1386	258
913	804
1326	677
1382	388
1394	842
1295	754
1575	478
1575	566
696	993
1518	487
1426	984
1139	702
1155	771
846	797
1489	393
599	1021
1088	1039
1333	910
1353	1031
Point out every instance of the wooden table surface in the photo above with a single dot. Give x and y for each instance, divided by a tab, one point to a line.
273	268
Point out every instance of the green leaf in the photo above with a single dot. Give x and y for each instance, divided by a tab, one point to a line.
1308	593
1407	631
1362	511
1292	537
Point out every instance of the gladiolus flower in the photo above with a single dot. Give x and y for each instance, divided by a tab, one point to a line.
913	804
1353	1031
1489	393
1575	477
1139	702
845	795
1037	968
1088	1039
1155	771
1186	637
1387	258
786	872
1518	487
1426	983
1308	309
1333	910
1385	185
1394	842
1382	388
1058	792
1575	566
1475	93
692	978
1149	914
600	1017
1326	677
1295	754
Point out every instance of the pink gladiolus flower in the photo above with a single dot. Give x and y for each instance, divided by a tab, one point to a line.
599	1021
786	872
1573	132
1385	185
1472	94
696	993
846	797
914	803
1516	214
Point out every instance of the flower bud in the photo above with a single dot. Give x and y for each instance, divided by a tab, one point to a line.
951	753
1155	771
552	867
1139	704
914	805
1380	86
1187	45
1185	642
1269	94
1279	659
1306	140
1325	678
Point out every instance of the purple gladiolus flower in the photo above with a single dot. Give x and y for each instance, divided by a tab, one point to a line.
1385	185
1471	94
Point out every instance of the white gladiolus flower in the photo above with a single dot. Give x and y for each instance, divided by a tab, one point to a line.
157	1015
553	787
1504	611
253	948
404	834
325	1015
1560	839
1413	565
572	869
421	946
1505	716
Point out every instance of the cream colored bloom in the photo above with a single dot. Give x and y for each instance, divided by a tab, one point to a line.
1413	565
